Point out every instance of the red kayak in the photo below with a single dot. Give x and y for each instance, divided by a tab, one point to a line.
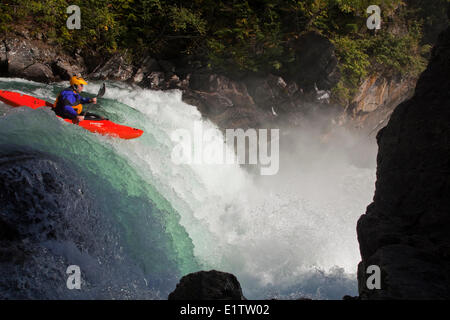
92	123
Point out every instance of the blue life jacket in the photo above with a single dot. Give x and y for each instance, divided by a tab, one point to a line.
69	104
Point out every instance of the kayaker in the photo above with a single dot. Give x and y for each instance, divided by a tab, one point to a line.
69	103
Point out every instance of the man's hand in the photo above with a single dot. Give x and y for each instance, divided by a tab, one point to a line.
78	119
94	100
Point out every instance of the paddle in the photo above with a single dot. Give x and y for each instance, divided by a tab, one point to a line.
100	94
102	91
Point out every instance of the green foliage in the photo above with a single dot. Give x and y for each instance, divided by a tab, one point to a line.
238	37
354	65
247	38
183	18
401	54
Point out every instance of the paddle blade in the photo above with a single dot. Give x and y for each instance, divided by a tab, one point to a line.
101	92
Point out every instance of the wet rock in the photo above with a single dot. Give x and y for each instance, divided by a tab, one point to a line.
208	285
155	80
33	196
224	101
147	66
271	92
405	229
211	104
65	70
38	72
174	82
116	68
36	60
20	56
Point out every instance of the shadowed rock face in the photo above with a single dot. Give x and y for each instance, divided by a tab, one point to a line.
48	221
208	285
405	231
316	63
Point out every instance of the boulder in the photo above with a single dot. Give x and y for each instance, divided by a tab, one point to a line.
38	72
208	285
115	68
65	70
146	66
20	57
226	102
210	104
155	80
35	60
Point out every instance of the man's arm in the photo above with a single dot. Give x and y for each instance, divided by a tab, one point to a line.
88	100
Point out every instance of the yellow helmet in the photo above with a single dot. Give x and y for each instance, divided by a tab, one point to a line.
76	80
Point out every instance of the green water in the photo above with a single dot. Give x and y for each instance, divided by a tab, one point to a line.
149	225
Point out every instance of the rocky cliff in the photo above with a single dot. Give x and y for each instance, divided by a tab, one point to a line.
405	231
252	102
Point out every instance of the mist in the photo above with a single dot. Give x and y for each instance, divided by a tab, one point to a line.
292	234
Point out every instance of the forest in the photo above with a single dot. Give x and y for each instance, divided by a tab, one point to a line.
241	37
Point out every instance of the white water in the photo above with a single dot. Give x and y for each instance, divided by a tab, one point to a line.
284	236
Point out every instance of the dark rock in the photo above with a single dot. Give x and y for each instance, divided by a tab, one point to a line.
38	72
147	66
201	81
210	104
38	61
33	196
174	82
3	59
350	298
167	66
3	55
13	252
155	80
7	232
20	56
116	68
65	70
315	62
208	285
271	92
225	102
405	229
